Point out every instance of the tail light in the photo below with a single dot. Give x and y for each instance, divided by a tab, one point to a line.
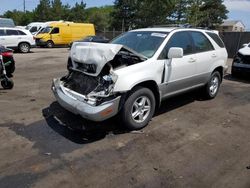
7	54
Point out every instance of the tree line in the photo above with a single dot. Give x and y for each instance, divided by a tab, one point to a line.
128	14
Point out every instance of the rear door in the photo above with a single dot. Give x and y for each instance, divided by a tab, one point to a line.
179	73
206	55
11	38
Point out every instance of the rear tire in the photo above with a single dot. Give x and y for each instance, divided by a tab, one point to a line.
212	87
50	44
24	47
138	108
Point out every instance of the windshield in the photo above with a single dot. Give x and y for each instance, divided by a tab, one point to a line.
46	30
27	27
143	42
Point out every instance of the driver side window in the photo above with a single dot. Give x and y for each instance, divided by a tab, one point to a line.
181	40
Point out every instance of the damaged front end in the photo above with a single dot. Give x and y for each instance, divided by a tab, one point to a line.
88	88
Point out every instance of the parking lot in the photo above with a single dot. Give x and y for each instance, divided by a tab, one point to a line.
189	143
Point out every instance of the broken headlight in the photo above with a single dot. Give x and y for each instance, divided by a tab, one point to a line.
104	88
237	58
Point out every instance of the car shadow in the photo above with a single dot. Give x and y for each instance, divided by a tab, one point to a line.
81	131
241	78
77	129
178	101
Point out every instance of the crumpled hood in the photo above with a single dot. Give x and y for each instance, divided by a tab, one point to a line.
94	53
245	51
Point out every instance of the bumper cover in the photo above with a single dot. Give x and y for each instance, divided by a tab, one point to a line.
40	42
94	113
241	68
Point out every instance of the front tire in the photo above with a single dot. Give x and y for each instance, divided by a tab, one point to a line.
138	108
213	85
50	44
24	47
7	84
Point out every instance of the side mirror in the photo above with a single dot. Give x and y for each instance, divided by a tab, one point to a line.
175	53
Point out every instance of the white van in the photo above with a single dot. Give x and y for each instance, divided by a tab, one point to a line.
34	27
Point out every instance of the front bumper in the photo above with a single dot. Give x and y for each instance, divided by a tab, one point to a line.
241	68
40	42
95	113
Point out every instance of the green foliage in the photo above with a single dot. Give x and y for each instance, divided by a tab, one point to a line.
128	14
100	17
53	10
42	11
19	17
144	13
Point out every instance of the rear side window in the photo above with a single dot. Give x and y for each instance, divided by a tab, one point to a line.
11	32
33	29
180	40
216	39
2	33
201	42
21	32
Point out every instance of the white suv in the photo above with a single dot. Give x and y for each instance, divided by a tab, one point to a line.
138	70
17	39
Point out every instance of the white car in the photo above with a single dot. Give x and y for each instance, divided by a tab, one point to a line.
241	62
138	70
17	39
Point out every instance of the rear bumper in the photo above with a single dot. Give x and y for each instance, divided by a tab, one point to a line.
94	113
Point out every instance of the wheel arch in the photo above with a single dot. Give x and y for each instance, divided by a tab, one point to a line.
152	85
23	42
220	70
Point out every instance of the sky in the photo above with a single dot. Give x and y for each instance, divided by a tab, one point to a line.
238	9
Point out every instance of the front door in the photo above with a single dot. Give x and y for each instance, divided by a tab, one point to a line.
56	36
179	72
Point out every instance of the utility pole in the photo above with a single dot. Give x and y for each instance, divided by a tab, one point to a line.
24	6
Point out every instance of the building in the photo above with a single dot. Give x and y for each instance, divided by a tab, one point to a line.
232	26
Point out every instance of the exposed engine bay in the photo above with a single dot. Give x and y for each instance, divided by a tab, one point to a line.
91	69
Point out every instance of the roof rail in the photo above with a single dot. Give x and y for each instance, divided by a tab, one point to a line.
174	25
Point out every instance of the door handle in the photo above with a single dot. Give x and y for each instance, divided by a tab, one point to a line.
214	55
192	60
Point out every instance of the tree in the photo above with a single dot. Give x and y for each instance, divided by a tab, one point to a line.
206	13
124	13
57	10
19	17
78	13
43	11
154	12
179	13
214	12
100	17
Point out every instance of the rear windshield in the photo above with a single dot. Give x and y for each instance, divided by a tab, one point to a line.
217	39
143	42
